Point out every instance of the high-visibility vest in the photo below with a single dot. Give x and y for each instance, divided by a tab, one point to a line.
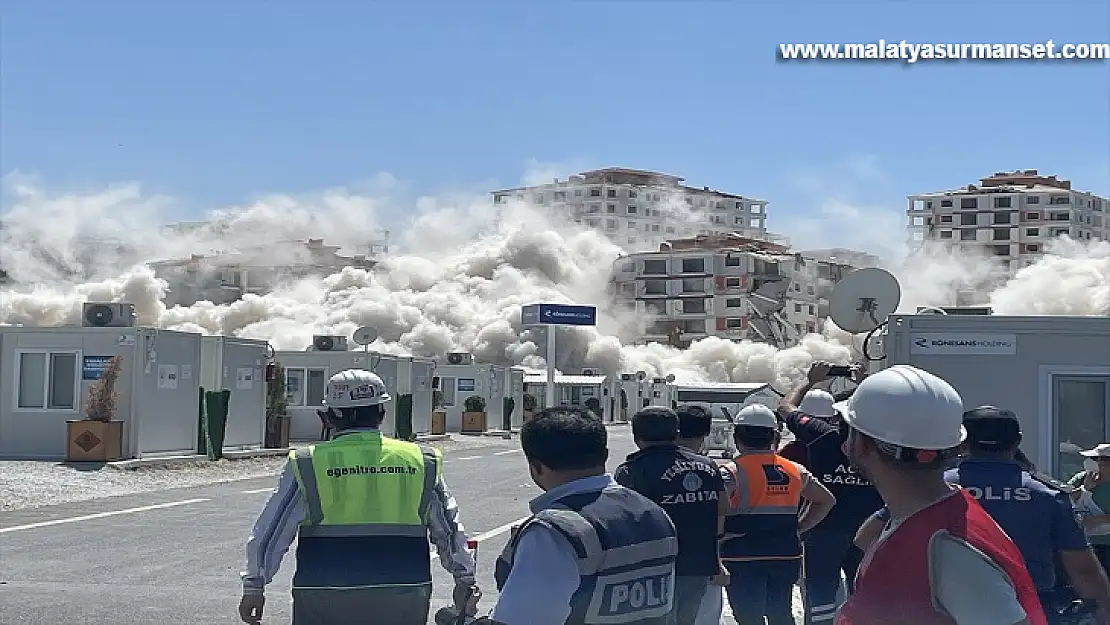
764	501
365	484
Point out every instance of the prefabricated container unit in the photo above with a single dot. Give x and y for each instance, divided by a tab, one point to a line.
574	390
306	377
1053	372
238	365
45	375
457	382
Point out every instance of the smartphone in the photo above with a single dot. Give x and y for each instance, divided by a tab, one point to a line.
840	371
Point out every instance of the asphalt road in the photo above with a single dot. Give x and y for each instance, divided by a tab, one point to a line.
174	556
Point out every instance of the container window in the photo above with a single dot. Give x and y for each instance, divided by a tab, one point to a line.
447	387
32	380
47	380
294	386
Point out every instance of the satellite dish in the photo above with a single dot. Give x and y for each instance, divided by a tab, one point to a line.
270	351
670	378
640	375
861	301
365	335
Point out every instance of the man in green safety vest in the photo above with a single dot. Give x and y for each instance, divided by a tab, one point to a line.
362	507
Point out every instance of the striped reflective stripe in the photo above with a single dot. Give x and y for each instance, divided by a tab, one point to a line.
303	459
741	499
595	557
368	529
431	478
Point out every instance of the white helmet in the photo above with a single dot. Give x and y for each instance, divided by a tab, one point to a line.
354	388
908	407
818	403
757	415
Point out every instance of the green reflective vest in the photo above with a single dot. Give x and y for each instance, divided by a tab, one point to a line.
365	484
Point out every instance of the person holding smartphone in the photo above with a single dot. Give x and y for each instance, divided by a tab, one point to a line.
829	548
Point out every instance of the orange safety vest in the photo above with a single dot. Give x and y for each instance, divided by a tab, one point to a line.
765	502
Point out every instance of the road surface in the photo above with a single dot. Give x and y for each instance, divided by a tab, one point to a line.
174	556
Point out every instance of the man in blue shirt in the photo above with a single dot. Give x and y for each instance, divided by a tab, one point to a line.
592	551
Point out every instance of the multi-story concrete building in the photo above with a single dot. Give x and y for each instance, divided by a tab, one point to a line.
223	278
726	285
641	209
1010	215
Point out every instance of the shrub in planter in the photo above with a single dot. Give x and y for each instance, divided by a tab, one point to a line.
474	414
98	437
475	403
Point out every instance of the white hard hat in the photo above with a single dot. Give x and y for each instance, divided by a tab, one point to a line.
354	388
908	407
757	415
818	403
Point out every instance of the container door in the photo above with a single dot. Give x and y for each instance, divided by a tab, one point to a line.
1081	412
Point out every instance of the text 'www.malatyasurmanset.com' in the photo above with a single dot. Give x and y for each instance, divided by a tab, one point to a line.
908	52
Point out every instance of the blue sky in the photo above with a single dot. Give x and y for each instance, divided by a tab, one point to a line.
223	101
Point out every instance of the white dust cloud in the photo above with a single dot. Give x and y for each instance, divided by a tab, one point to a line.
454	280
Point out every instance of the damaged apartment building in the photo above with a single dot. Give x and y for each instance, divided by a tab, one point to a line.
225	277
730	286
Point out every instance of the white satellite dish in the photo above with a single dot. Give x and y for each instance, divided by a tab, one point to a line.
861	301
270	351
365	335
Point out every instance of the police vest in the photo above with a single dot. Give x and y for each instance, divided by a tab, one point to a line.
625	547
893	584
1021	505
367	499
765	500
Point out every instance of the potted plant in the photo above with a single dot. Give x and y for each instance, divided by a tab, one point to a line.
439	415
277	401
99	436
474	414
529	406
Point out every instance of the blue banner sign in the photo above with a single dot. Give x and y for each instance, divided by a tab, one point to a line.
558	315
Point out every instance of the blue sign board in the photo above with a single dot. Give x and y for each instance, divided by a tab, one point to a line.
93	367
559	315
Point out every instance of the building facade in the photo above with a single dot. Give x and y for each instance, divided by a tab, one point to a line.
728	286
641	209
1010	215
224	278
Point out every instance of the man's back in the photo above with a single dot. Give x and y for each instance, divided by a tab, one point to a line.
688	487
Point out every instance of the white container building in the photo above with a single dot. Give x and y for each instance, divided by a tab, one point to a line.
45	375
307	373
1053	372
493	382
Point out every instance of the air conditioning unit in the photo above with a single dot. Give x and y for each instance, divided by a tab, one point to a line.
628	377
460	358
108	315
329	343
658	381
590	371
